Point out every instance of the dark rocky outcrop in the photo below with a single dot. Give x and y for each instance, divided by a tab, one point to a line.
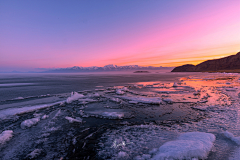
230	63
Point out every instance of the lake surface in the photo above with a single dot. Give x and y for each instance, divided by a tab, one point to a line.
121	115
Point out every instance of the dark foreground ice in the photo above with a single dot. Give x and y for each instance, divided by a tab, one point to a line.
142	116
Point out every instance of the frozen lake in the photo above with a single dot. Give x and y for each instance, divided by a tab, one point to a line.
120	116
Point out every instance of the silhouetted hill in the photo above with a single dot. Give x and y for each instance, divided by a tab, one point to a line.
226	64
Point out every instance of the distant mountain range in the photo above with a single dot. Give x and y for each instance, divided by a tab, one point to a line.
226	64
105	68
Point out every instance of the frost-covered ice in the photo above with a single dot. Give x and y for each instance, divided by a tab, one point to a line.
164	122
71	120
189	145
74	96
29	122
134	141
5	136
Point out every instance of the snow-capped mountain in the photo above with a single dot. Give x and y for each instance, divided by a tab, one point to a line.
109	67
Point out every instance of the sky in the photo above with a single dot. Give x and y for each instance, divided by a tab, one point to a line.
60	33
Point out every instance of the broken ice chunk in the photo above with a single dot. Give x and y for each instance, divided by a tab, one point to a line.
35	153
175	84
116	115
45	116
119	91
168	100
29	122
74	96
133	102
189	145
5	136
71	120
147	100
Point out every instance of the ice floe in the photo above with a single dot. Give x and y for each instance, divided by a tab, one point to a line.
188	145
74	96
5	136
29	122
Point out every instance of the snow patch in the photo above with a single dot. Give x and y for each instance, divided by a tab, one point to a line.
189	145
5	136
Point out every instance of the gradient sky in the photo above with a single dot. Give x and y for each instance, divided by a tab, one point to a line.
52	34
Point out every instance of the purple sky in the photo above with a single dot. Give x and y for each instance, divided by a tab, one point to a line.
48	34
